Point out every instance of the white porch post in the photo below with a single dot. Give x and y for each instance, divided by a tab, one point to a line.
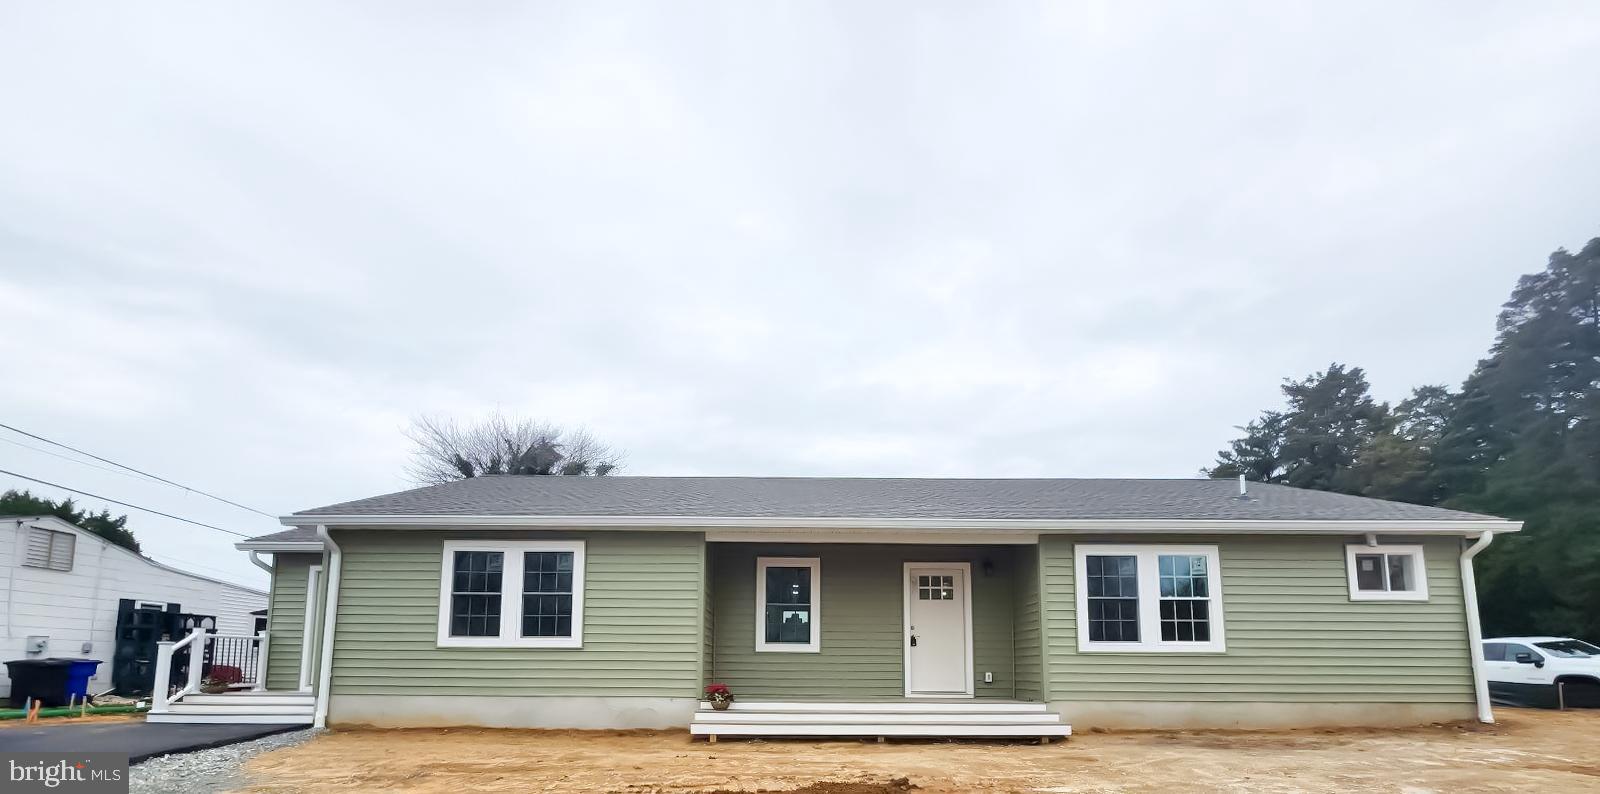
261	662
197	659
158	690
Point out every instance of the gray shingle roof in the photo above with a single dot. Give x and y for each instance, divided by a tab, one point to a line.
842	497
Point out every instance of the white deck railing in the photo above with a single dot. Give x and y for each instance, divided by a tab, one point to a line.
162	693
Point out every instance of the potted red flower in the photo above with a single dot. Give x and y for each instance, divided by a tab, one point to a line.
719	696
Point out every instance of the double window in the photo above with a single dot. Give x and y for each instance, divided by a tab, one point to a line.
788	604
512	594
1149	598
1386	573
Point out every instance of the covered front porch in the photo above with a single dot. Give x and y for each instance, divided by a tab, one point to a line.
875	639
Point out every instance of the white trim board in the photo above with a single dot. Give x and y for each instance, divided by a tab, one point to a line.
905	624
307	646
1042	525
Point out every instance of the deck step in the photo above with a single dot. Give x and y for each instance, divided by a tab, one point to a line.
241	718
881	729
874	717
886	707
185	707
251	700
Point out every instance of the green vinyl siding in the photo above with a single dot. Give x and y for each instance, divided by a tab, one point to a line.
642	620
862	617
1292	632
1027	639
286	618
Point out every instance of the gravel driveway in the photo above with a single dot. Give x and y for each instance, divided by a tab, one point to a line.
205	771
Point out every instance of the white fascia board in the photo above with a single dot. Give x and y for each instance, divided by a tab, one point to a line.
279	546
803	524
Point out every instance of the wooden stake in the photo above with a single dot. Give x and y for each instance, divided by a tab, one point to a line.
1044	740
33	713
880	740
711	738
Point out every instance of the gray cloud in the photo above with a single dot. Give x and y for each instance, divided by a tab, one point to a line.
240	246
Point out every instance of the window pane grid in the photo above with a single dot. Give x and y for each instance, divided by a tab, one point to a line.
475	597
936	588
547	594
1113	589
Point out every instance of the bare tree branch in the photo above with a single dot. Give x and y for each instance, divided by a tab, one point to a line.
446	451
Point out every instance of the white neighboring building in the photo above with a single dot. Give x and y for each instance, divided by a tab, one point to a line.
62	582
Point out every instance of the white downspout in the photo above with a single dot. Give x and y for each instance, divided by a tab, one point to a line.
330	616
1469	589
255	559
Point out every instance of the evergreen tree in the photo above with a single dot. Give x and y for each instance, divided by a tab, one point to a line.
23	503
1520	440
1315	442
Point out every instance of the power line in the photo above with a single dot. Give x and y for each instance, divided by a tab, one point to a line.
124	504
137	471
71	459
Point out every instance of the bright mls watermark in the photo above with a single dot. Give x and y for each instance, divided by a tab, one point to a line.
64	772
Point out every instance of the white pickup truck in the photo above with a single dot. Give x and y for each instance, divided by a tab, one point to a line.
1542	671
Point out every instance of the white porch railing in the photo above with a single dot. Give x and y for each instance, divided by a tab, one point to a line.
225	648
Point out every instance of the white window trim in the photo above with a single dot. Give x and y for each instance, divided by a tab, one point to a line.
511	594
1147	556
309	629
1419	568
762	564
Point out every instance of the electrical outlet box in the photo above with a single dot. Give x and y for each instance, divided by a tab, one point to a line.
36	644
988	678
88	647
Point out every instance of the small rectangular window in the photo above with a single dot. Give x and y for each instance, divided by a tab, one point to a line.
50	549
1386	573
787	612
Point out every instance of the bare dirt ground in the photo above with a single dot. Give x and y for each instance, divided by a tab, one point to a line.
1527	751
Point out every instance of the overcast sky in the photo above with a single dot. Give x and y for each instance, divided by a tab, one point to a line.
240	247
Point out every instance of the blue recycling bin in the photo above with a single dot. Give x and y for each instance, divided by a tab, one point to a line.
78	675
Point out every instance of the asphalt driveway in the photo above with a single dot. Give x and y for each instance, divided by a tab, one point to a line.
140	740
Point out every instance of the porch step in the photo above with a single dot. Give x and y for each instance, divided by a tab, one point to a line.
232	719
901	718
185	707
241	708
883	707
251	699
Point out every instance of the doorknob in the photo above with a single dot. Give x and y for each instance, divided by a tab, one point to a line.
913	640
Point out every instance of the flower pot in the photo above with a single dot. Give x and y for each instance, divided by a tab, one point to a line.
214	689
721	705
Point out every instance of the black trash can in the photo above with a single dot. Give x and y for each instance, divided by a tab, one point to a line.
44	680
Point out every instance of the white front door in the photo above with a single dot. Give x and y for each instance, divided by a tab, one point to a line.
938	638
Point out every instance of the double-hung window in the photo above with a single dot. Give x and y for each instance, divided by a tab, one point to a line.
1386	573
1149	598
789	604
512	594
